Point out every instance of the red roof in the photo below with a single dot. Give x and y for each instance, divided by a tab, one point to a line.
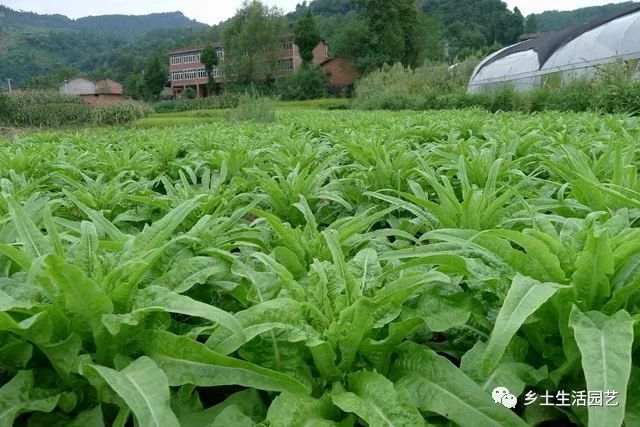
331	59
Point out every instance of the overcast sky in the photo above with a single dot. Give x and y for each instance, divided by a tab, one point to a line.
214	11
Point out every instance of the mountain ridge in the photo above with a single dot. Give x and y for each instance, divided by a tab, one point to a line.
127	26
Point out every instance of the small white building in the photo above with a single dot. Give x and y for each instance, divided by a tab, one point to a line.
104	91
78	86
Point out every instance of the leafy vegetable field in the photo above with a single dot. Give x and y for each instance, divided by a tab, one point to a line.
334	269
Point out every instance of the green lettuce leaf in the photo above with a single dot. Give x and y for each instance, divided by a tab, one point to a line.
436	385
144	388
605	345
374	399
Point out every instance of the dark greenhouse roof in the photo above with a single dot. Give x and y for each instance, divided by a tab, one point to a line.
548	44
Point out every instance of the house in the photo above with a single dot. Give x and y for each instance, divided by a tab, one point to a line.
340	73
187	70
100	92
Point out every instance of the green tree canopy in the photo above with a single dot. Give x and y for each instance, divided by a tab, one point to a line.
391	33
472	25
531	24
251	40
155	76
209	58
306	36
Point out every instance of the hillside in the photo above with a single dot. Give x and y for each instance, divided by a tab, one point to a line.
125	26
112	45
557	20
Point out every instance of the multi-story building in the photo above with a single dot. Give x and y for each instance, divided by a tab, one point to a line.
187	70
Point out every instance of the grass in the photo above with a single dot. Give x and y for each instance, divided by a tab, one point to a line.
198	117
193	117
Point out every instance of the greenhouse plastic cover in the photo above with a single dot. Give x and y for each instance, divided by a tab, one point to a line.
580	47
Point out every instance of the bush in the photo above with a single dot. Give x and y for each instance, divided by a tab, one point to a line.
117	114
259	109
214	103
52	109
51	115
394	83
189	93
308	83
611	90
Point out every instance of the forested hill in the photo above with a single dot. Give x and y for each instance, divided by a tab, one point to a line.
50	48
556	20
125	26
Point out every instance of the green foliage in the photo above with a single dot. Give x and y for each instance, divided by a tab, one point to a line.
399	81
112	46
223	101
53	109
306	36
319	104
254	108
531	24
328	268
155	76
554	20
118	114
470	25
392	34
189	93
209	58
612	89
308	83
252	42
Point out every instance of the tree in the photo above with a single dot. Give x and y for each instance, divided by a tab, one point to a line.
65	73
38	82
252	42
209	58
134	86
306	36
531	24
472	25
155	76
393	33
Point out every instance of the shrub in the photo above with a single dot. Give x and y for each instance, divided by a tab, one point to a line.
41	108
308	83
406	83
53	109
259	109
611	90
49	115
117	114
189	93
219	102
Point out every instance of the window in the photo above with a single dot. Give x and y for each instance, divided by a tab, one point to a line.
217	72
285	64
287	45
220	52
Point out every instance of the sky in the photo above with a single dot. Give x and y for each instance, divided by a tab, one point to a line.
214	11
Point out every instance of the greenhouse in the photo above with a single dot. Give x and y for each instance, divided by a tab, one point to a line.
558	57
